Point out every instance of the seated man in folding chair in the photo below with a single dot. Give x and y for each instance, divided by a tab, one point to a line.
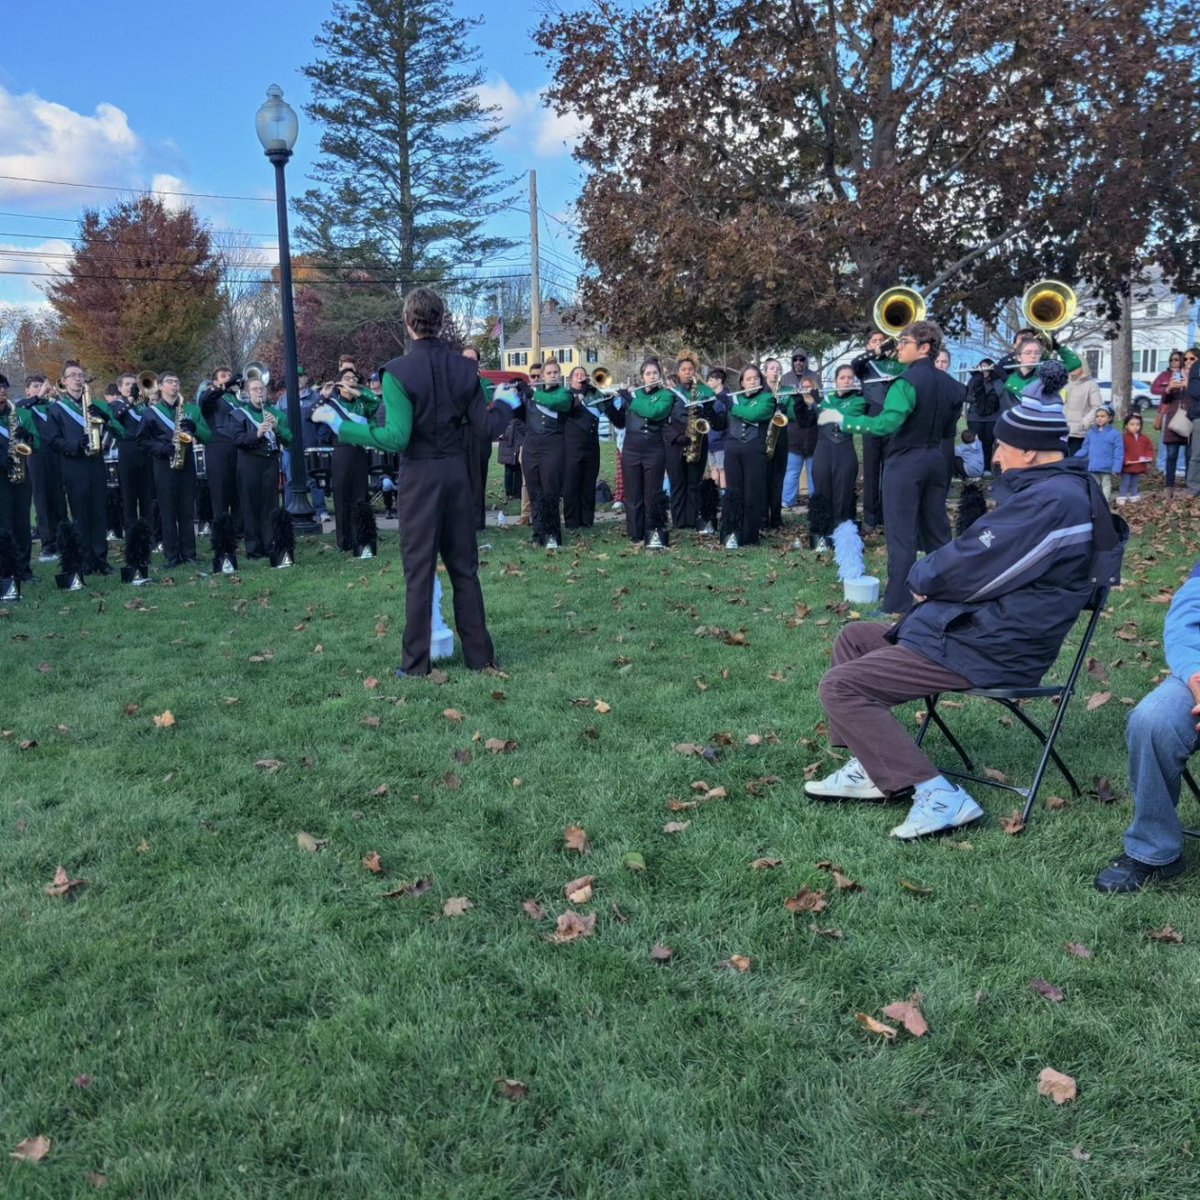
993	608
1162	736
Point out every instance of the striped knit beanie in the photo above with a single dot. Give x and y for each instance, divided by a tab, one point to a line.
1047	383
1033	425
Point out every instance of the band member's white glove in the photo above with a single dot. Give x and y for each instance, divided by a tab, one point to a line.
324	415
830	416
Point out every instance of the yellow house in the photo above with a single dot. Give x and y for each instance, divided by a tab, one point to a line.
570	344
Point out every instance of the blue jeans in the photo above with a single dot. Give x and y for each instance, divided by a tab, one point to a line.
1161	736
1129	484
791	480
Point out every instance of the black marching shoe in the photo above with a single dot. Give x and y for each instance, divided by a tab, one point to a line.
1128	875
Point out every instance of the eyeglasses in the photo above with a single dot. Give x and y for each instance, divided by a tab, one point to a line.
906	341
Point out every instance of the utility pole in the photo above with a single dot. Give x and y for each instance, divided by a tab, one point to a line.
535	283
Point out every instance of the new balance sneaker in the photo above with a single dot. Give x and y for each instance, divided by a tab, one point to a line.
849	782
937	806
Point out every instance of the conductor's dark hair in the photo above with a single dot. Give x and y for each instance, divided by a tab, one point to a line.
424	312
470	352
925	332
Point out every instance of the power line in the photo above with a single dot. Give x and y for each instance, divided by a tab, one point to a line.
467	280
108	187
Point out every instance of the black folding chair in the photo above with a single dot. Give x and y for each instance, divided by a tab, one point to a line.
1011	699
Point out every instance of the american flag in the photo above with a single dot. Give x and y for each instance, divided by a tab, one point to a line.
497	329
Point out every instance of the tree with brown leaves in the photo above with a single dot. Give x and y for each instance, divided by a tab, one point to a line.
759	167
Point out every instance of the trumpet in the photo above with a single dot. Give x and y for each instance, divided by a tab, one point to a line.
896	308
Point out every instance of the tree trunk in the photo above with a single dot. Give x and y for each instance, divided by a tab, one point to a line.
1122	357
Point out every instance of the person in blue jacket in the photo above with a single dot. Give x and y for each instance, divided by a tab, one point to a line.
1104	449
1162	735
992	609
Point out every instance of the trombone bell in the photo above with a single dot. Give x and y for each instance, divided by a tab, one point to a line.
602	378
257	370
896	308
148	381
1048	305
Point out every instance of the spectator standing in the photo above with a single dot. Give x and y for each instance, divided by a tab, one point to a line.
1139	454
1080	403
1170	386
1104	450
986	400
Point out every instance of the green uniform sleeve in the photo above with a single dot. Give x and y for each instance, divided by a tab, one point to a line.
396	431
111	424
704	392
898	404
653	407
283	430
757	409
1069	358
489	391
368	403
203	429
890	366
1016	383
557	399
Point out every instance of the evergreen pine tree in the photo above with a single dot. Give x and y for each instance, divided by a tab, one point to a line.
406	179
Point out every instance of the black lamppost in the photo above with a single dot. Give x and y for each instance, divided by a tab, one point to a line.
277	127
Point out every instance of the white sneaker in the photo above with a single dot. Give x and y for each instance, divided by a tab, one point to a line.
1121	500
618	507
937	807
850	782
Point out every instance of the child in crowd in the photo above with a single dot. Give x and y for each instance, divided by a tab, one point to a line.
1139	454
1104	448
968	456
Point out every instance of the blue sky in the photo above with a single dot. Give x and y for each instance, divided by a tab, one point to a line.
136	94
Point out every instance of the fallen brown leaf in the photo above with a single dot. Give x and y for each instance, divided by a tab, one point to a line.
575	838
736	962
908	1013
682	805
307	842
917	889
409	890
27	744
675	826
371	683
661	953
381	790
579	891
64	885
1098	700
164	720
836	934
994	775
451	781
32	1149
373	862
270	765
1049	990
1104	792
452	714
82	1081
132	710
766	864
807	900
1077	949
1059	1087
371	722
457	906
1056	803
531	908
1166	934
571	926
874	1026
687	748
512	1089
601	707
500	745
1013	824
1079	1154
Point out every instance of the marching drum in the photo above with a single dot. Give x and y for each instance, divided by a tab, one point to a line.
319	463
198	459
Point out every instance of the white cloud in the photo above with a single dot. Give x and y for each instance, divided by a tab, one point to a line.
170	183
530	120
40	139
24	269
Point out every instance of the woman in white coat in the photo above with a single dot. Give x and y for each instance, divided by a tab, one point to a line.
1080	401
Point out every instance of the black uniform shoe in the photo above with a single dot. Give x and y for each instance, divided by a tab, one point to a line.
1128	875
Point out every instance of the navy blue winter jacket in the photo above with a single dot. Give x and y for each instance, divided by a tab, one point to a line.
1004	595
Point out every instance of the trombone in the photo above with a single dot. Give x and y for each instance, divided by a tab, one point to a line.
896	308
1048	305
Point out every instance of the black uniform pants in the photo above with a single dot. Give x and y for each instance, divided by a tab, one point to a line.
542	461
581	469
221	466
512	481
986	431
258	496
643	466
747	471
135	470
86	483
348	475
777	470
685	478
479	451
872	469
49	500
835	473
914	513
15	500
176	491
437	516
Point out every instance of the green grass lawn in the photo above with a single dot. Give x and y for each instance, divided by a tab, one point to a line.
253	1019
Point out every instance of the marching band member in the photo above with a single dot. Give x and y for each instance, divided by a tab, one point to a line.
84	472
479	454
747	469
920	411
175	486
260	432
685	476
544	452
19	437
217	404
45	469
134	469
644	455
875	368
430	394
348	471
777	464
1028	351
581	447
835	463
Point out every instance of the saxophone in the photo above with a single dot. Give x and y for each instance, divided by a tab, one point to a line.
95	426
778	425
180	439
697	427
18	451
